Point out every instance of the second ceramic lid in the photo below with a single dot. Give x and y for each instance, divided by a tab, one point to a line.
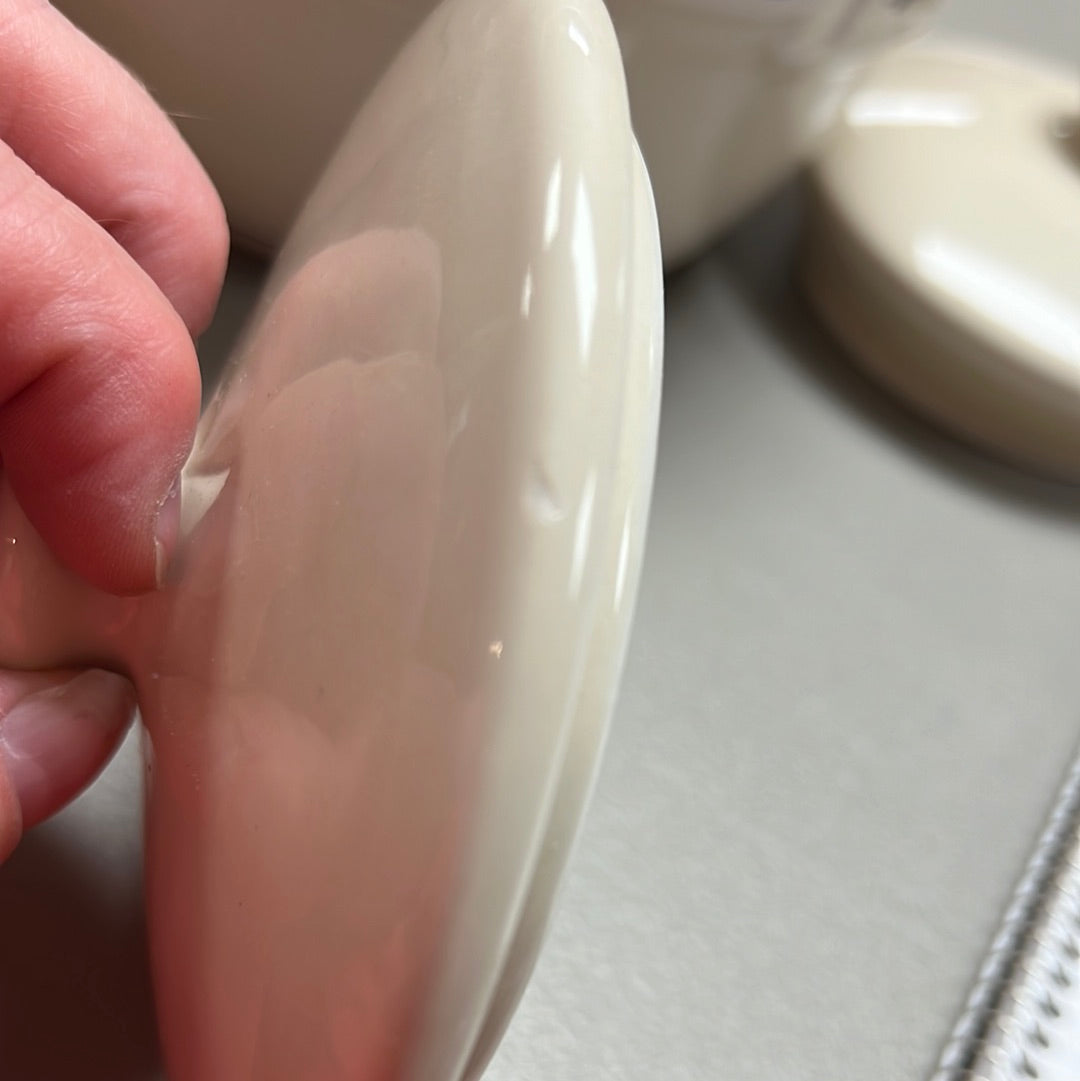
943	245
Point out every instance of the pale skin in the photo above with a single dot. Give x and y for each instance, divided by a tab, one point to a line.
113	243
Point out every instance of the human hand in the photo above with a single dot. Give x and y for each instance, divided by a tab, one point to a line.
113	244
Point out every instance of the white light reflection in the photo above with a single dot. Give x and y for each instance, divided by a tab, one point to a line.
540	500
200	492
579	39
527	294
582	535
907	109
586	277
1004	295
459	424
624	557
553	205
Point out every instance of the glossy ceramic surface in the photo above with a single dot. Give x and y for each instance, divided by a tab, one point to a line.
943	249
619	576
728	96
376	683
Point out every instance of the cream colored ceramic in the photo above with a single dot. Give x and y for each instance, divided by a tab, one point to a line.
728	96
376	684
621	572
944	244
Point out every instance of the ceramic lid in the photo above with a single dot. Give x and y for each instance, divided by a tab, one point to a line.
943	244
444	354
377	681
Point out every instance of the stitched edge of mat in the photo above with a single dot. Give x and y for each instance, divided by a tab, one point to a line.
1026	996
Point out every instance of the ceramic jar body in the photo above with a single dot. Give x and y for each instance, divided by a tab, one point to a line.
728	96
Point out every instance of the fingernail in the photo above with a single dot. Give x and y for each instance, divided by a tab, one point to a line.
54	741
166	531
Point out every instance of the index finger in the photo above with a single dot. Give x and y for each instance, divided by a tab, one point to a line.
89	129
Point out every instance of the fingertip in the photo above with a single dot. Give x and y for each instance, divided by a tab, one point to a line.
93	451
166	532
183	245
100	388
213	261
56	740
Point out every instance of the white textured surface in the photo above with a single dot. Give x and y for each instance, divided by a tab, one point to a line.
851	695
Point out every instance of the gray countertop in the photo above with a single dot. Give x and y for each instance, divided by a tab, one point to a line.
852	693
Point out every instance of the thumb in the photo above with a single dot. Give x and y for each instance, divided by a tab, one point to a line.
57	732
